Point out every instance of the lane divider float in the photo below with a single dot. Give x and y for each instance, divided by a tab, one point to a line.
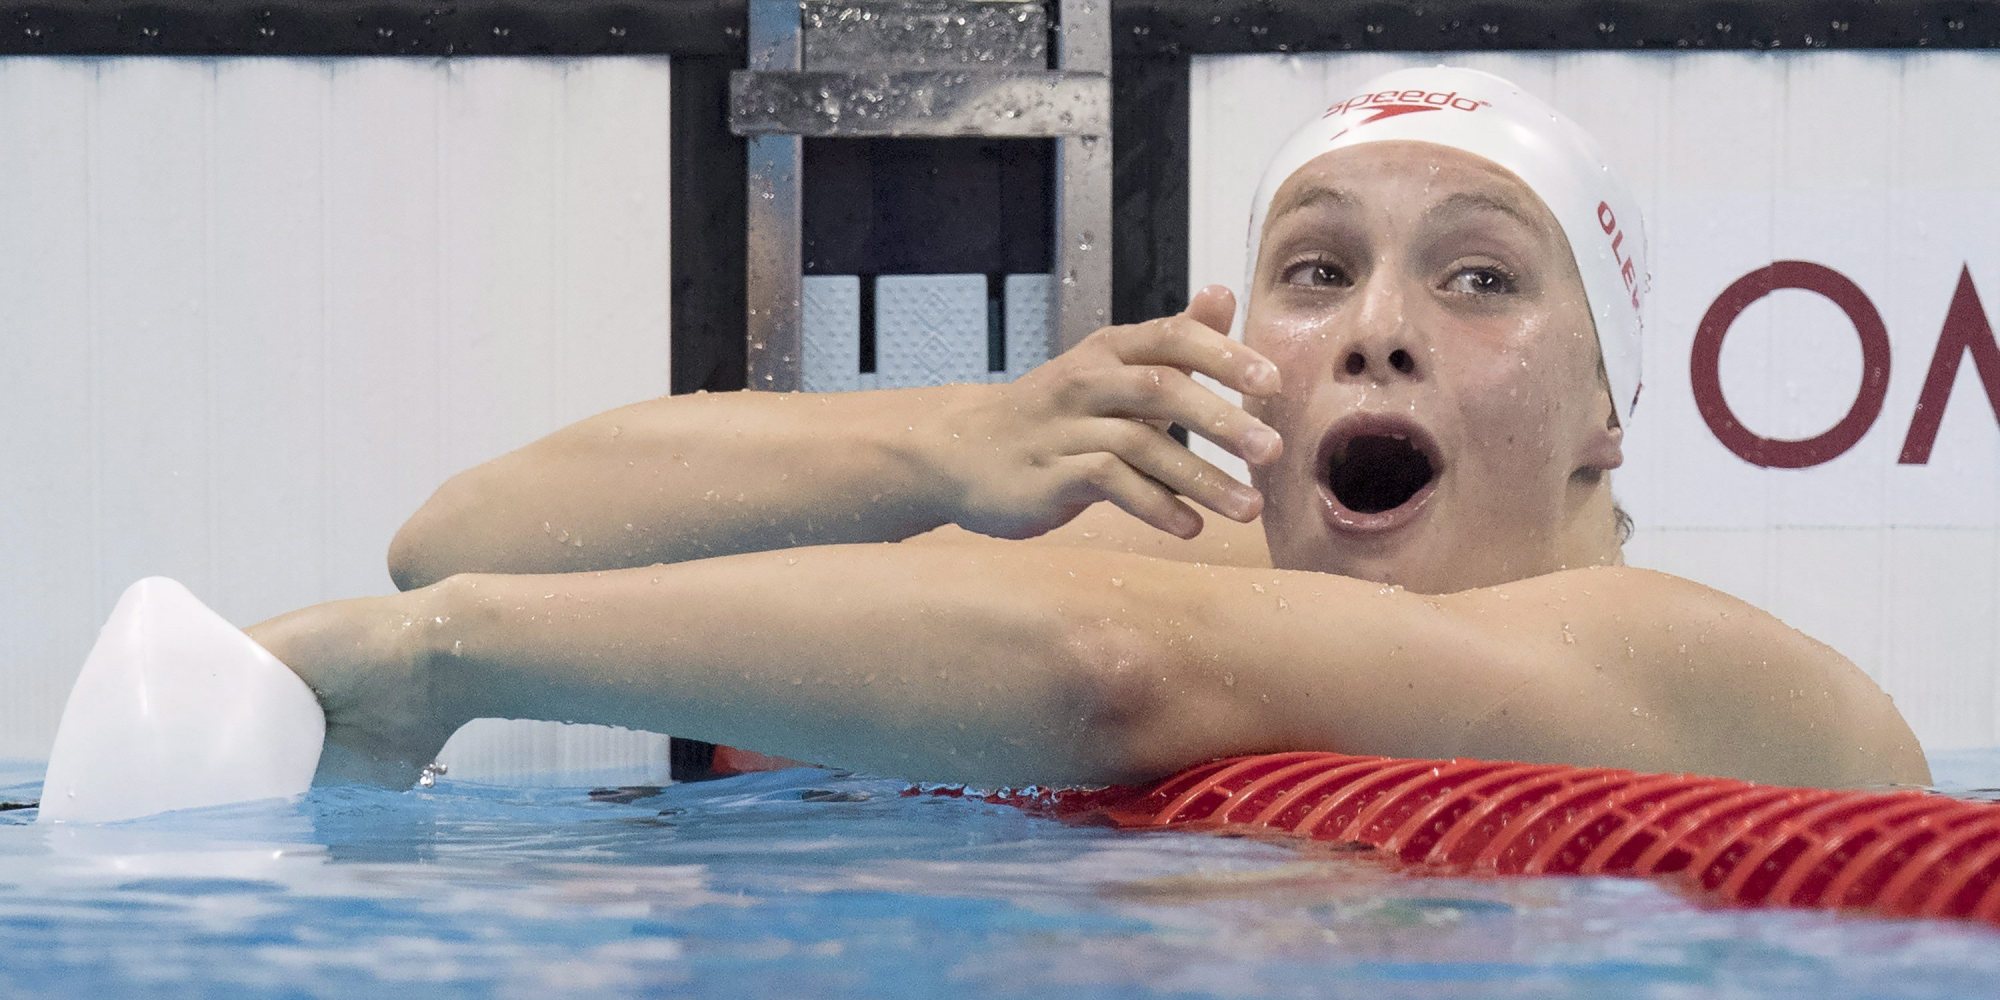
1907	853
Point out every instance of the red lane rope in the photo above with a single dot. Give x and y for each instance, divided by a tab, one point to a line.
1903	853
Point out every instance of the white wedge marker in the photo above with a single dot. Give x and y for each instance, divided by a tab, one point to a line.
178	709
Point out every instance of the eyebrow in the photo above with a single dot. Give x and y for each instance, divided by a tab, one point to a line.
1468	202
1309	197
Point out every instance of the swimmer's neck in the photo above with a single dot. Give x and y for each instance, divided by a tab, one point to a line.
1589	536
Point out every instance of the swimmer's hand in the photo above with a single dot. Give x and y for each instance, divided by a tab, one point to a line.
1031	455
368	661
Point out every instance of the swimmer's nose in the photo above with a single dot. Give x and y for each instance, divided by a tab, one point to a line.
1399	359
1382	345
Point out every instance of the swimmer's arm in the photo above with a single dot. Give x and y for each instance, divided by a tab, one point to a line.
997	665
694	477
982	664
688	477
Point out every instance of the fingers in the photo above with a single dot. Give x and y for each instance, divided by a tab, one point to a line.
1159	393
1163	460
1109	477
1213	307
1185	343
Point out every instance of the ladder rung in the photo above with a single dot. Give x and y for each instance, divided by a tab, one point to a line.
922	103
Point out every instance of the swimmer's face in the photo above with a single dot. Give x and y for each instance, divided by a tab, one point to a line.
1445	424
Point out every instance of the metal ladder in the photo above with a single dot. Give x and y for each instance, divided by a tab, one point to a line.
924	69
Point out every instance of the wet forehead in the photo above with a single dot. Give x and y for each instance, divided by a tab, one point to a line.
1451	182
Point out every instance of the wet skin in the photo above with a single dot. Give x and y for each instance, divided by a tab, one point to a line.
1429	292
1067	613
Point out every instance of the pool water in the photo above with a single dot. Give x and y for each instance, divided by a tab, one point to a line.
809	883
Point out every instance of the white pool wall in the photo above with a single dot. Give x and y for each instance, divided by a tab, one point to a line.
255	310
1884	166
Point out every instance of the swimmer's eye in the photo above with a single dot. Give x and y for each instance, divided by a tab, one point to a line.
1316	273
1481	281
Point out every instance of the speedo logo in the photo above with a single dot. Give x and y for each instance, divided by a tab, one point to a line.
1388	103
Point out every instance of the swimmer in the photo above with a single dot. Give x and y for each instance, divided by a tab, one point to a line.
1438	356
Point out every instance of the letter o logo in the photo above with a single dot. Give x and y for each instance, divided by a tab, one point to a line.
1705	365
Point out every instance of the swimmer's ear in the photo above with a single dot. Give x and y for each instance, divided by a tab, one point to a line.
1605	450
1213	307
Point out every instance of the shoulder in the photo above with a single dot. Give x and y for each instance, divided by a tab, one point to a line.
1727	686
1614	604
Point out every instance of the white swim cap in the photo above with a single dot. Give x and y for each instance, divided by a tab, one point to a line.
1491	118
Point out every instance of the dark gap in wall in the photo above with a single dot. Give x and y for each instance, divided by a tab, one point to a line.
707	180
996	322
867	319
927	206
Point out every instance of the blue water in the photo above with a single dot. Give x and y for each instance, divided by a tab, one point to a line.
808	883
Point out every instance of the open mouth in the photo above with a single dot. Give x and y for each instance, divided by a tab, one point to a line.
1377	469
1379	472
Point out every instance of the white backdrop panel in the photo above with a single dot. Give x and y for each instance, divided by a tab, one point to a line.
259	308
1866	163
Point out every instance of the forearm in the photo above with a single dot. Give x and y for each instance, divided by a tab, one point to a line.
687	477
950	664
985	665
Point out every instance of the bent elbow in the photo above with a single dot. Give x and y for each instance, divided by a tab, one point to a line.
419	554
1135	720
407	568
